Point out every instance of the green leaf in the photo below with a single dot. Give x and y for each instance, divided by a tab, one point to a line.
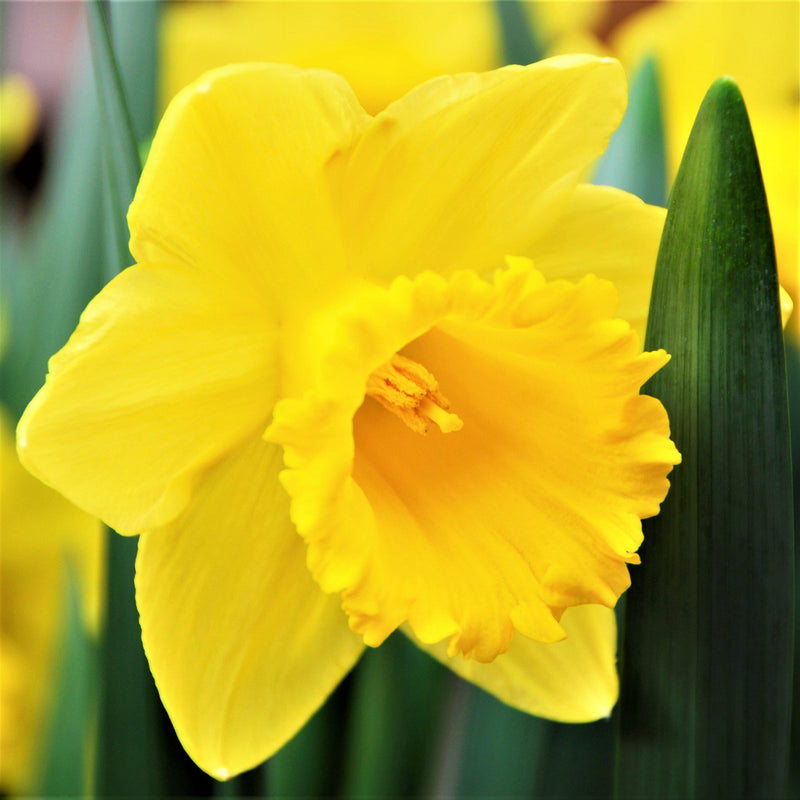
706	690
118	140
793	375
129	761
371	763
590	745
252	783
393	720
507	753
503	751
135	36
64	766
50	272
635	159
447	758
418	718
308	765
137	752
521	43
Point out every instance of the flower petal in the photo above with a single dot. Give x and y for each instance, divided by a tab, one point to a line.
466	169
236	181
167	370
532	507
243	645
611	234
574	680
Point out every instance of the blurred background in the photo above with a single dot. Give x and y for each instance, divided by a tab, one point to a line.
78	710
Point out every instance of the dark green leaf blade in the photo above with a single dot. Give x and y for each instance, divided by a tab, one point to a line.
308	765
707	663
371	763
505	750
394	717
793	376
128	757
592	746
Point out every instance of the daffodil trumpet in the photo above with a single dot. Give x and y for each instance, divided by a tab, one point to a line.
323	335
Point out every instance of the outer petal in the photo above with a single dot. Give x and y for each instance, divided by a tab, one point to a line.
167	371
467	169
243	645
574	680
611	234
236	180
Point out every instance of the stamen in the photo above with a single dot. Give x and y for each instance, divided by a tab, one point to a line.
409	391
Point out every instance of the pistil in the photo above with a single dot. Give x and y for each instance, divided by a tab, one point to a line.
411	393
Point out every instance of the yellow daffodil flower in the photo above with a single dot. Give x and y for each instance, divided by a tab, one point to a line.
42	534
757	43
322	336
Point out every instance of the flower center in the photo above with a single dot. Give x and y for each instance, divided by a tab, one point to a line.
410	392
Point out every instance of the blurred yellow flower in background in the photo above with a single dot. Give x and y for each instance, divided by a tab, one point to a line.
382	48
566	26
43	535
322	336
19	116
757	42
